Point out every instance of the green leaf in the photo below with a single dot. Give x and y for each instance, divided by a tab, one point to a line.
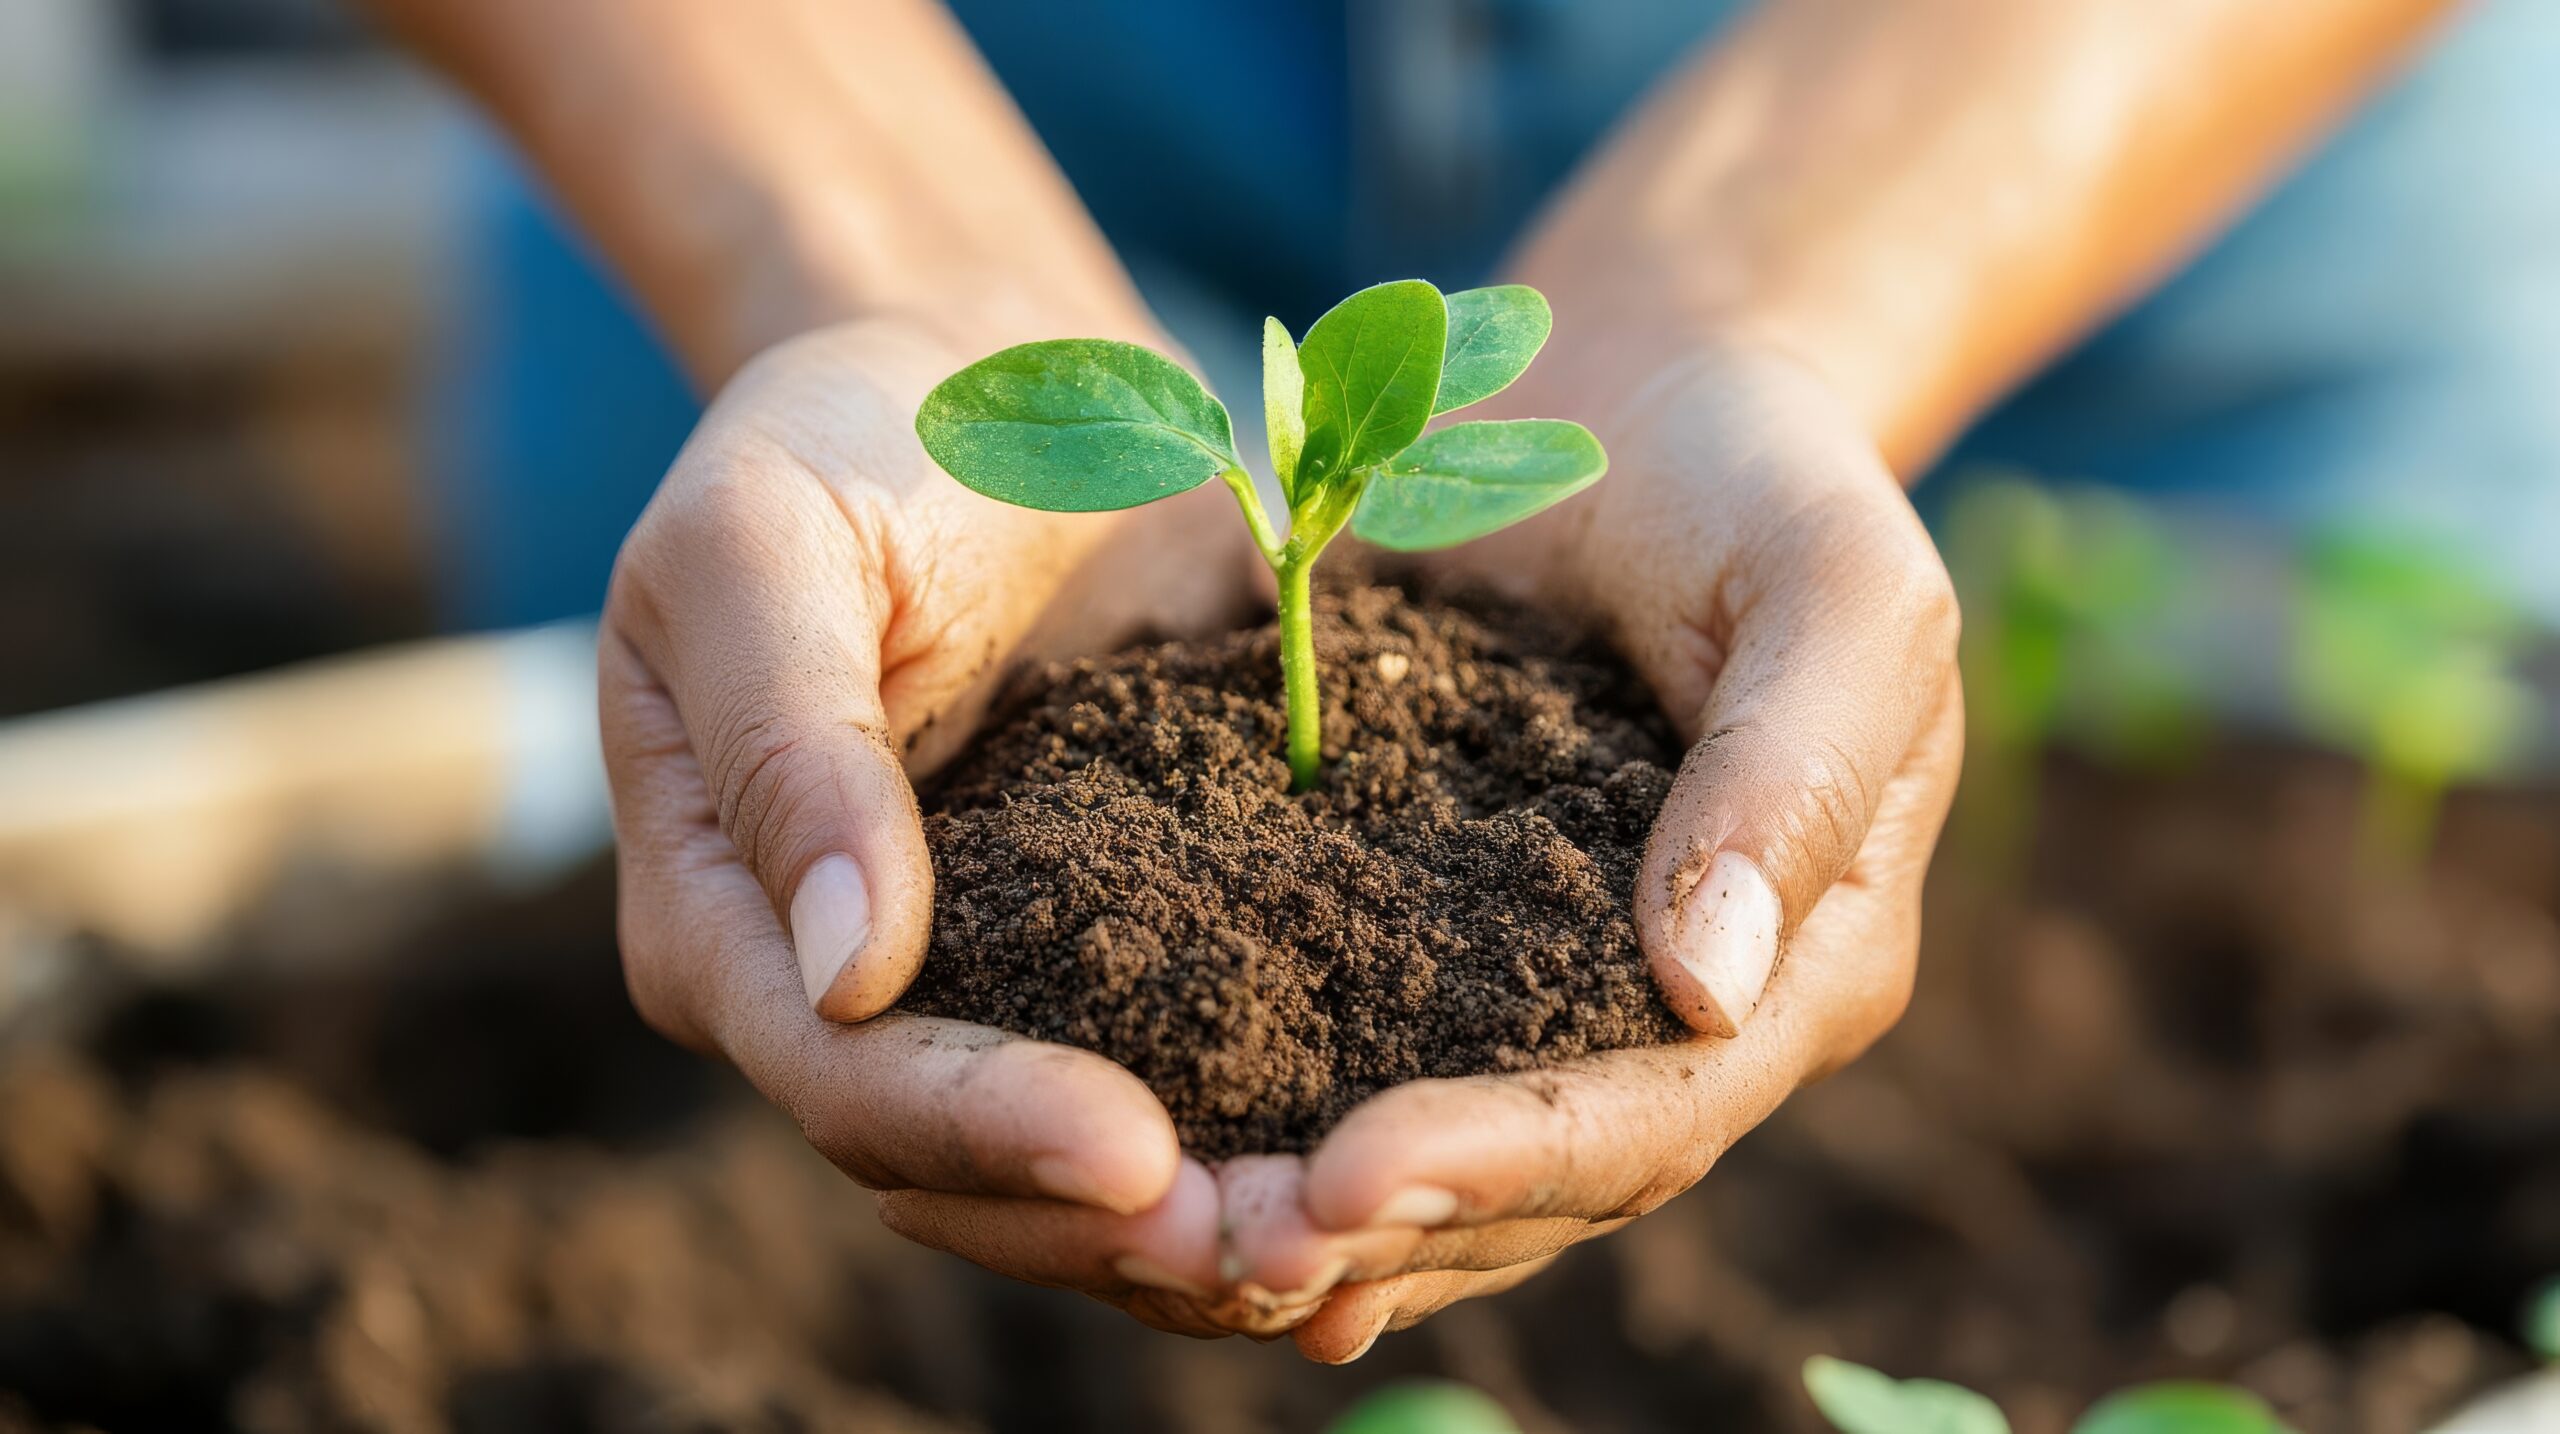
2542	1320
1076	426
1435	1406
2176	1407
1858	1400
1493	333
1471	479
1373	367
1284	405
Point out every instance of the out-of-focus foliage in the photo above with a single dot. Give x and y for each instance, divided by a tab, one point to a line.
1431	1406
2542	1320
2406	658
2072	599
1859	1400
2077	604
2180	1407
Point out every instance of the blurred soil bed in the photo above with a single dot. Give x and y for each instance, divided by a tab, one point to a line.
2195	1095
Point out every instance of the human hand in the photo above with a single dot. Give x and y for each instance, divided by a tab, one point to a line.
1755	560
807	612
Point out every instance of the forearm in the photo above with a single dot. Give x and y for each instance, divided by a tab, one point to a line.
756	168
1925	199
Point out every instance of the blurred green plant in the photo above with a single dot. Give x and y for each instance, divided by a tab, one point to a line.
2542	1320
1859	1400
2074	600
1426	1406
2406	658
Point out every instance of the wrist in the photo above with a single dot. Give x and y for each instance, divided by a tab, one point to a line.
757	171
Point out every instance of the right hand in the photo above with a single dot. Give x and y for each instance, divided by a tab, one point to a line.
808	612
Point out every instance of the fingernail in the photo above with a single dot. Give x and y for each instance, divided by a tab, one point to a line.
830	919
1272	1301
1139	1270
1727	939
1426	1205
1057	1176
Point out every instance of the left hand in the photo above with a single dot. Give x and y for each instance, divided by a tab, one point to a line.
1756	561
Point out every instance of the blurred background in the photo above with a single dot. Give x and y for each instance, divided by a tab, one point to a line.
2237	1053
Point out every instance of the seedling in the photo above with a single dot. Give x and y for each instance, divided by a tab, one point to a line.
1859	1400
2407	658
1091	425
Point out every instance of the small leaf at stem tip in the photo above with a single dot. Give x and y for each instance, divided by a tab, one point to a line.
1493	334
1426	1406
2176	1407
1372	367
1076	426
1284	405
1858	1400
1470	479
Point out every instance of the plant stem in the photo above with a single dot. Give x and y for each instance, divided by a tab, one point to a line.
1256	520
1298	671
2396	819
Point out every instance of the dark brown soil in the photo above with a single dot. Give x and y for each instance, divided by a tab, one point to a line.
1120	865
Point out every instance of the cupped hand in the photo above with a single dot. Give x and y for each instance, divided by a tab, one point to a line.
807	613
1755	560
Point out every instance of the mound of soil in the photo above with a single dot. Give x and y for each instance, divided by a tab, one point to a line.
1120	865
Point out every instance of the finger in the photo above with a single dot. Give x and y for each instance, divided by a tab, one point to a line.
1831	671
1169	1249
1270	1256
898	1102
1618	1134
1803	677
1351	1322
760	606
1496	1246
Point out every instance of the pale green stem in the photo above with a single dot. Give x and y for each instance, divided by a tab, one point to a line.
1298	671
2397	818
1256	520
1310	528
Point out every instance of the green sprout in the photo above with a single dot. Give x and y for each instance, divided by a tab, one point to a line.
1859	1400
2075	602
1091	425
1426	1406
2406	658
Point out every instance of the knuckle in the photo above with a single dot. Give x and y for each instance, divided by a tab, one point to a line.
1879	1003
834	1137
760	781
1821	832
1931	589
1936	616
1651	1193
654	981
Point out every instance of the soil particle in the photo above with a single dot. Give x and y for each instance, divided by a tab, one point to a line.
1121	866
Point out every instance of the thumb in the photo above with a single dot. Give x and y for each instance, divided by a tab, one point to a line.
1834	664
772	656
